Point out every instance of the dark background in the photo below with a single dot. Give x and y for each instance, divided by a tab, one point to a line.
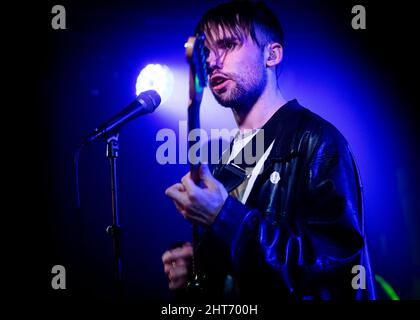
363	81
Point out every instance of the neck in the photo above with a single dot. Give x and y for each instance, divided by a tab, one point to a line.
255	117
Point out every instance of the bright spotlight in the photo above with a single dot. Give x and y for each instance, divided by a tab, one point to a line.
157	77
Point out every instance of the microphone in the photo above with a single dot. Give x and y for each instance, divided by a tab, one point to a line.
145	103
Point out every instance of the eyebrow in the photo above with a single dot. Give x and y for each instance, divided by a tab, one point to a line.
224	40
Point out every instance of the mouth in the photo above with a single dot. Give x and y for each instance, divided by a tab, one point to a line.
218	82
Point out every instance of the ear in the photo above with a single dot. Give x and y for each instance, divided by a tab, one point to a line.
274	54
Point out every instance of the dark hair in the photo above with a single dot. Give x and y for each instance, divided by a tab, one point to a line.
243	18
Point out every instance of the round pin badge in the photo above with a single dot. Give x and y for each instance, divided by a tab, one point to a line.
275	177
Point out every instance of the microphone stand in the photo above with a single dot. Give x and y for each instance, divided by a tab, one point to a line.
114	230
146	102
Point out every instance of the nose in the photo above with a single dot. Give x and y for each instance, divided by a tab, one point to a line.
213	61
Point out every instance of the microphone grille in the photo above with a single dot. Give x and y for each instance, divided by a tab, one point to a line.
150	98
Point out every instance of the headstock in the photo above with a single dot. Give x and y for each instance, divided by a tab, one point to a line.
196	54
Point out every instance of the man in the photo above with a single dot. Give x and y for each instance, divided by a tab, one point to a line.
290	225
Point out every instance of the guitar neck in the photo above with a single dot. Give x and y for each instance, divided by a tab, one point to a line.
193	124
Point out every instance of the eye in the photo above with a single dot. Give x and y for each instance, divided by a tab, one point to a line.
229	45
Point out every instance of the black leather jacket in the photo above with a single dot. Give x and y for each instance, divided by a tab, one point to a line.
298	238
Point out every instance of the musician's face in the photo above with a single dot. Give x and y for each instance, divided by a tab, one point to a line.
237	75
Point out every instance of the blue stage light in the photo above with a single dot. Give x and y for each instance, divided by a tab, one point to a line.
157	77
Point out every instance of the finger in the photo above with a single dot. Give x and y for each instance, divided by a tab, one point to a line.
177	273
180	208
190	186
166	257
182	263
170	256
205	172
167	267
187	175
178	253
187	244
174	193
183	253
209	181
178	277
179	187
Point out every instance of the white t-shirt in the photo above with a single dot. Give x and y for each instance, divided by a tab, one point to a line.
238	144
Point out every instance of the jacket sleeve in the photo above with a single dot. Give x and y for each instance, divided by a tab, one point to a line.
317	242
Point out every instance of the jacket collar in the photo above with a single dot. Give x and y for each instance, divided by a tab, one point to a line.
277	124
272	129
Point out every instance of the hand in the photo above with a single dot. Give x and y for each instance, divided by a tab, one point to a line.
198	204
176	263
